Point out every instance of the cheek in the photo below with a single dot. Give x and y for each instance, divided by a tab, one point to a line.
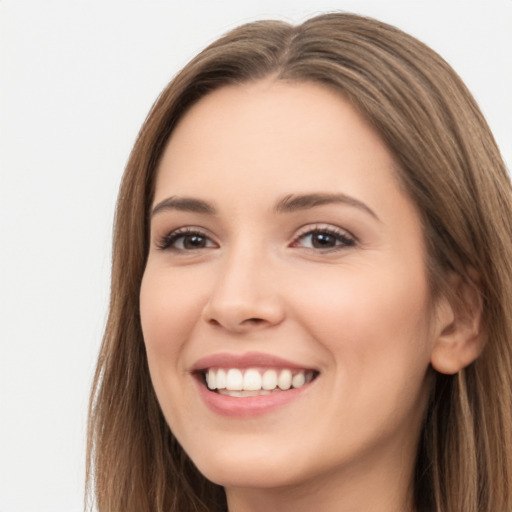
169	310
372	322
375	328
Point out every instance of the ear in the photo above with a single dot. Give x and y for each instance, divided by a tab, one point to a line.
459	337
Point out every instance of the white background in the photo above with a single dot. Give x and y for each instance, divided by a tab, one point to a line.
76	81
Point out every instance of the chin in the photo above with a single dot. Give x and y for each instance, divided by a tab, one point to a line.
250	477
248	469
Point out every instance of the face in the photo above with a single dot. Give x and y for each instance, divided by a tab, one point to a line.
287	272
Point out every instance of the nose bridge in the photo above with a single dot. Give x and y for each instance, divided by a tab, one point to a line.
243	295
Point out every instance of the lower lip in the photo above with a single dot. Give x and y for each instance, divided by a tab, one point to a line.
249	405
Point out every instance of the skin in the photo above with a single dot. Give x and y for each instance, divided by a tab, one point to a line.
359	313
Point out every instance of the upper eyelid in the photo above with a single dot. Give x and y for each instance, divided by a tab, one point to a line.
184	230
309	228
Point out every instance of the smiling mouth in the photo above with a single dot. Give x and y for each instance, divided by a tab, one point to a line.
237	382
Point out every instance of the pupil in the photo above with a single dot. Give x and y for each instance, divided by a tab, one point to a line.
194	242
323	240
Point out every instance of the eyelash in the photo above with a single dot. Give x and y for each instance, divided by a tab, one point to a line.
341	238
167	242
339	235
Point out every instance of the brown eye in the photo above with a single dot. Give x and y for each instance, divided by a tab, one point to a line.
325	239
186	241
193	241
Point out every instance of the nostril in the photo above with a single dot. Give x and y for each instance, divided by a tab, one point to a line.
255	321
239	325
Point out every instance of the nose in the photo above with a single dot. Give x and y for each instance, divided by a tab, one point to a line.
244	295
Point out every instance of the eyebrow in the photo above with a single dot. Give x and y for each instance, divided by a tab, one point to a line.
184	204
292	203
288	204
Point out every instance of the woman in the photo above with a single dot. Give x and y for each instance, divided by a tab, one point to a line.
311	286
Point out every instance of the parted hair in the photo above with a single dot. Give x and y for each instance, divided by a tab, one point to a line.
449	164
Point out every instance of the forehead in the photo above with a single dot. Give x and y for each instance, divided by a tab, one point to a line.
254	143
271	128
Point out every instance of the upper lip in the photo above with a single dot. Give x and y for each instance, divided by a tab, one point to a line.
245	360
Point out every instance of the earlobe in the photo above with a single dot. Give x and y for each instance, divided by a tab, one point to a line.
459	337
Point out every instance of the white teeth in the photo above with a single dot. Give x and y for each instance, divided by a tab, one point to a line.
298	380
251	382
234	380
221	379
211	379
269	379
284	380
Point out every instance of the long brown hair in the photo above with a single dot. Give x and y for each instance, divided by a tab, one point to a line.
451	167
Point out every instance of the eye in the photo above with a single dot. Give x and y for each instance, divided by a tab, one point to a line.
323	238
186	239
